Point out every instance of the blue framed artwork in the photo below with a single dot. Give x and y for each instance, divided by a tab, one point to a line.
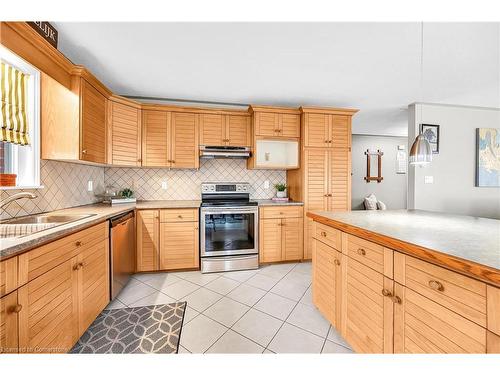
488	157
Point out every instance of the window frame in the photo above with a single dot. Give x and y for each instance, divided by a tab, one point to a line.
15	153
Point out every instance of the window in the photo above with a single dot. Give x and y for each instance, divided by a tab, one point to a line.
24	161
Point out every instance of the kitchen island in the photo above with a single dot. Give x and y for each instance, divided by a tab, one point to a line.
408	280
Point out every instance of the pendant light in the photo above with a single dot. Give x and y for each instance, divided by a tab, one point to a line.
421	151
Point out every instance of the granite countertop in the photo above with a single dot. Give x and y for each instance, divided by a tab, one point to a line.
270	202
460	237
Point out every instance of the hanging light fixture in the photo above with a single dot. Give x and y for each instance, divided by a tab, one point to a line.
421	151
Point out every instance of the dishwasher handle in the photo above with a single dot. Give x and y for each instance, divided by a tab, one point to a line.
117	220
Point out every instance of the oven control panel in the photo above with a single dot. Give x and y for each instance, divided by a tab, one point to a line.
240	187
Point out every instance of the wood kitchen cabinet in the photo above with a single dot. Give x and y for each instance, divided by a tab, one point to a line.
93	123
280	233
148	238
170	139
124	133
276	121
327	128
9	331
225	130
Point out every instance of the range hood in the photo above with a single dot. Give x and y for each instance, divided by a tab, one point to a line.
224	152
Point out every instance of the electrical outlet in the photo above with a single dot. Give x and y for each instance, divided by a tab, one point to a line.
164	185
428	179
266	184
90	185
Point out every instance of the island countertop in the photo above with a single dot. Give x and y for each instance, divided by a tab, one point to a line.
470	245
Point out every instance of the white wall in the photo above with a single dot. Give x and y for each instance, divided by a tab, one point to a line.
392	189
454	168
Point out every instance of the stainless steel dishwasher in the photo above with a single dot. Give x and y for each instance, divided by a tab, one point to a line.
122	251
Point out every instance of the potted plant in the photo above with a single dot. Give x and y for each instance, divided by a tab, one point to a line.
280	190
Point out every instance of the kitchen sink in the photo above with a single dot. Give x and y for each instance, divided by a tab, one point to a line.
22	226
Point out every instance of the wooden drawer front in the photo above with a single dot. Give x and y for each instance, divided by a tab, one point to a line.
93	283
458	293
48	320
326	266
178	215
424	326
277	212
40	260
8	324
330	236
364	308
179	245
366	252
8	276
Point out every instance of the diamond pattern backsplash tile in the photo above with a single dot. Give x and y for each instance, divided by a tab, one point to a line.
65	185
185	184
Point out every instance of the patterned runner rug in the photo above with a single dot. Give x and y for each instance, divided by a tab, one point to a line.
147	329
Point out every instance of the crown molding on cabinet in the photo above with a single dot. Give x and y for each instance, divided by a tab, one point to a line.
329	110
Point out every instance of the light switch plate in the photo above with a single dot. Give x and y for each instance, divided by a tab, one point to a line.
428	179
90	185
266	184
164	185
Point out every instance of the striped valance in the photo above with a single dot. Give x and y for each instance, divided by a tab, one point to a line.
13	120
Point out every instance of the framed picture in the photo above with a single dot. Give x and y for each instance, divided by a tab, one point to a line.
488	157
431	133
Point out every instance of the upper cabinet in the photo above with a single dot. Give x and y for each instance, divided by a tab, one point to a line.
276	121
124	133
326	127
170	139
225	129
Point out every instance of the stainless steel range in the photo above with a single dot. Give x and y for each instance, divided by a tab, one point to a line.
229	224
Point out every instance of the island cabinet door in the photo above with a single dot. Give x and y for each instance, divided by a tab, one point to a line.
326	281
9	309
424	326
48	319
179	245
148	240
367	316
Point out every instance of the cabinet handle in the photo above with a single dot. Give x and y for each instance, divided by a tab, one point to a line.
78	243
336	262
326	140
81	264
361	251
386	293
323	234
179	216
396	299
84	151
139	159
76	267
436	285
172	161
16	309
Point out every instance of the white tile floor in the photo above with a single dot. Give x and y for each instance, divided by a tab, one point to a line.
268	310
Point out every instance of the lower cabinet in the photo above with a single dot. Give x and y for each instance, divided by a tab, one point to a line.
167	239
9	333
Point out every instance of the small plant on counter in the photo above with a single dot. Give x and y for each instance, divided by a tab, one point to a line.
127	193
280	190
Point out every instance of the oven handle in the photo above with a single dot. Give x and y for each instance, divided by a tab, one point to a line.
211	211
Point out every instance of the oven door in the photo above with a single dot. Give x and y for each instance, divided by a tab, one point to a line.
229	231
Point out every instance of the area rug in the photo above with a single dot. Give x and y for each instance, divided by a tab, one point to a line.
146	329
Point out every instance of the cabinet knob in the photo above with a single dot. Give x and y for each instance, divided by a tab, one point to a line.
397	300
361	251
139	160
326	140
84	151
16	309
436	285
336	262
323	234
386	293
179	216
172	161
78	243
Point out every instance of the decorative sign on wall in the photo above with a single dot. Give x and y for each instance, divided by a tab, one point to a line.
401	162
377	158
46	30
488	157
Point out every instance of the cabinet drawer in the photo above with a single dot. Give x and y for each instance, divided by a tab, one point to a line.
328	235
366	252
460	294
40	260
8	276
178	215
277	212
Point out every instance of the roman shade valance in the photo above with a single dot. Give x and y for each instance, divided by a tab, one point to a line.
13	119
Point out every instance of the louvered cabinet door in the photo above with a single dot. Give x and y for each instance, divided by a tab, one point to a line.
316	179
289	125
9	340
238	130
154	139
212	130
93	124
316	130
340	131
270	240
266	124
148	240
367	319
339	189
308	237
48	320
184	141
324	282
93	282
424	326
179	247
125	123
292	242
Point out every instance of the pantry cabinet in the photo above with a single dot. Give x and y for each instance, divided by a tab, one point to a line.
326	129
280	234
225	130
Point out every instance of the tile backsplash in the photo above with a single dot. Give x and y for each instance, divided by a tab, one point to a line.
65	184
185	184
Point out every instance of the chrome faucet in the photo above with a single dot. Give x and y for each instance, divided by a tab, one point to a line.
12	198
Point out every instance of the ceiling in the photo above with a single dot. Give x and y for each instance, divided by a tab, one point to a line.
374	67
